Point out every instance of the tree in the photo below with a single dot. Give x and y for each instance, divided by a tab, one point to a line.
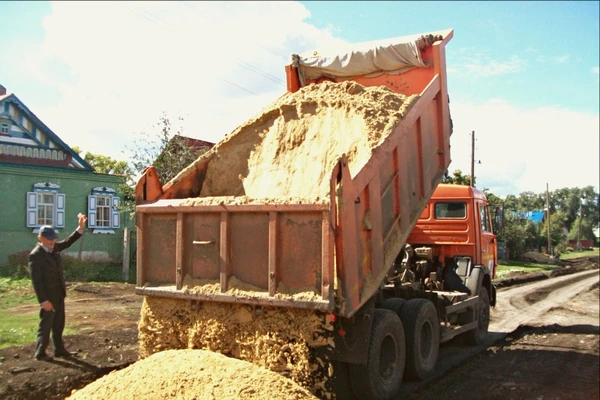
457	178
587	230
520	235
104	164
167	151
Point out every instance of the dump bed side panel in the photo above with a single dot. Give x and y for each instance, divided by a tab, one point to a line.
382	203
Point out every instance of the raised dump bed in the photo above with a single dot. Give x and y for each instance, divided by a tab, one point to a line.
308	204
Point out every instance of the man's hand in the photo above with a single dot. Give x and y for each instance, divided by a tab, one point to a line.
82	219
47	306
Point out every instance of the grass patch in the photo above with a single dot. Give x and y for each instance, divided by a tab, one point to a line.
576	254
15	293
506	267
19	328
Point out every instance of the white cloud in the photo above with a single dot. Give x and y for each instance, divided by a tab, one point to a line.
596	71
482	65
217	64
214	63
523	149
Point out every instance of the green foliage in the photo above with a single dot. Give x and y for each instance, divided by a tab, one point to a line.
105	164
520	235
165	150
75	269
16	267
565	205
457	178
587	230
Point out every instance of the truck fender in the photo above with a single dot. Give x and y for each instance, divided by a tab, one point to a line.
475	278
481	276
352	335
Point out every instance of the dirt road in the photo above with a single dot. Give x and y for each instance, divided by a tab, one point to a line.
543	344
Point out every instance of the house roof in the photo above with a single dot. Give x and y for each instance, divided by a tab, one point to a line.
12	98
194	144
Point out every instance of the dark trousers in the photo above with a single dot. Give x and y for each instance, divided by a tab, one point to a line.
51	321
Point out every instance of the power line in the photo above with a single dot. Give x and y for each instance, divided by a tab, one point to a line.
244	64
165	25
274	52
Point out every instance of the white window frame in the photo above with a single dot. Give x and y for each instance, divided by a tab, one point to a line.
56	207
4	128
114	216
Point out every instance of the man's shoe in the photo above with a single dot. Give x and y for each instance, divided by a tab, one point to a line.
63	354
43	357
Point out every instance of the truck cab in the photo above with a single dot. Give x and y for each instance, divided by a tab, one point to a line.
457	228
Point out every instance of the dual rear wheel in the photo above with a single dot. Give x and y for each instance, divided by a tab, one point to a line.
404	342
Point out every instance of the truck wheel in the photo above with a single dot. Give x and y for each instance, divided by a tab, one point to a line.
396	304
482	312
381	377
422	328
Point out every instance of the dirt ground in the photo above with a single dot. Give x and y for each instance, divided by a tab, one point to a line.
544	343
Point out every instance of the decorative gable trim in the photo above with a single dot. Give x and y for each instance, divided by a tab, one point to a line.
12	98
47	186
103	190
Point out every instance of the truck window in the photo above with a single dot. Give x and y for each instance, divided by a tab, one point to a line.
454	210
484	217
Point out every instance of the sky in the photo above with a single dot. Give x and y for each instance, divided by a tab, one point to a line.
522	75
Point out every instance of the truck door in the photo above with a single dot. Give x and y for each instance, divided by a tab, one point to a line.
488	239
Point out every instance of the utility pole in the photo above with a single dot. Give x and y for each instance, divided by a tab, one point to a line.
548	219
579	228
473	159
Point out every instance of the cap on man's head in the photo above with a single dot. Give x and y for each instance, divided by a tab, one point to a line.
48	232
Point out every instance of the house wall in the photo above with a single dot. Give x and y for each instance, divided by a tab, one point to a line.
15	236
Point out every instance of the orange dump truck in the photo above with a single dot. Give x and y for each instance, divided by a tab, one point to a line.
394	262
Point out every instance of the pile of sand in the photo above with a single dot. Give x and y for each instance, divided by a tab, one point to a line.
291	148
283	340
192	374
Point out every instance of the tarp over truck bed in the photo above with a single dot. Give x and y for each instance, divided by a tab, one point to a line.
394	55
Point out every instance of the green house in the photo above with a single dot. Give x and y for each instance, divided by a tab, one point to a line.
45	182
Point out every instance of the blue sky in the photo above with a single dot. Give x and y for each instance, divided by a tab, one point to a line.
522	75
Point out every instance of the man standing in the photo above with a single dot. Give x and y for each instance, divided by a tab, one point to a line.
49	285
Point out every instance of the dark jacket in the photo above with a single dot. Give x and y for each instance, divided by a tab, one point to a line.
46	270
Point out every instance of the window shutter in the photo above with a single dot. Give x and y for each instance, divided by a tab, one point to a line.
91	211
32	210
60	210
116	215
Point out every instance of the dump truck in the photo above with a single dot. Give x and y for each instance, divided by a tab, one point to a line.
316	240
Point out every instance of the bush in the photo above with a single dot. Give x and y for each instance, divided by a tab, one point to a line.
74	269
17	267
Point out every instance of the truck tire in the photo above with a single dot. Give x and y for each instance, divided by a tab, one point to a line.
396	304
381	377
482	312
422	329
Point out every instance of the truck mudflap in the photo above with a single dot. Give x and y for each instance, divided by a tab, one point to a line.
492	295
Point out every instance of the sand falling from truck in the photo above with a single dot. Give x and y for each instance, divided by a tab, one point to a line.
286	154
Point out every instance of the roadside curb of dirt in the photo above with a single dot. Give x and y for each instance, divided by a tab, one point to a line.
565	267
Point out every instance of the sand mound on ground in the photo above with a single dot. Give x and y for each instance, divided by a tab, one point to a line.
192	374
